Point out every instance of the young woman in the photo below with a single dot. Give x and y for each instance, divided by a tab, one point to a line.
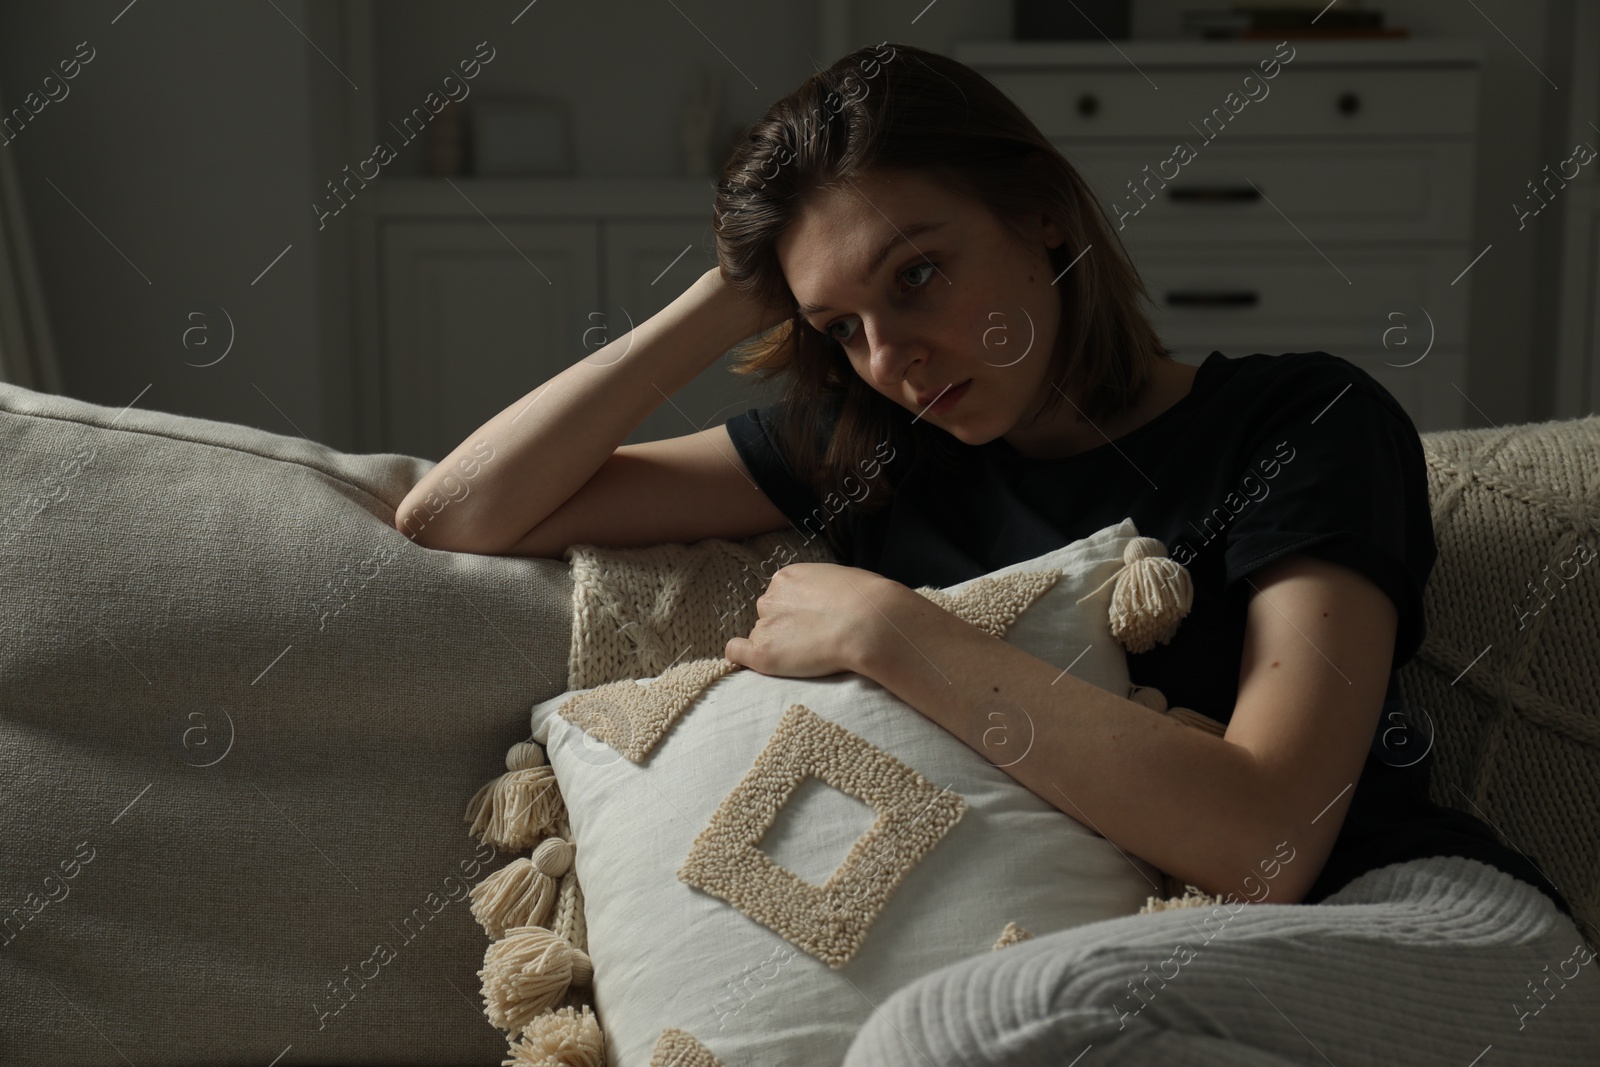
971	382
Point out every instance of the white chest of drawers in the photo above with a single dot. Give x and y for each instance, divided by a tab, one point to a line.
1280	197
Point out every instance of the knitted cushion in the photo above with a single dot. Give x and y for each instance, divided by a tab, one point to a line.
637	610
713	810
1508	678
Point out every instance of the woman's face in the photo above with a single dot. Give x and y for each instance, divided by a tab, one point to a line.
930	296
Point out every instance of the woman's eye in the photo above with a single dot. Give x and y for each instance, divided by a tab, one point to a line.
913	288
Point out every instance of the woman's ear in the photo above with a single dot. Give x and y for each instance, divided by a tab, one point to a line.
1052	234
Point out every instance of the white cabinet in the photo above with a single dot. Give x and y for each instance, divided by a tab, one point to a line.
1331	212
473	318
636	255
486	290
1327	207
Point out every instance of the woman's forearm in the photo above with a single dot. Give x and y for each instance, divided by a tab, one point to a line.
528	460
1177	797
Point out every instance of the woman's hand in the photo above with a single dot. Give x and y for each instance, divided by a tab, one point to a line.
814	619
741	308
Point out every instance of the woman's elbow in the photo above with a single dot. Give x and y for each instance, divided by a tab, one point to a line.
421	517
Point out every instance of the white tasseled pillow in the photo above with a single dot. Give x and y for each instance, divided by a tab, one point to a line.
773	949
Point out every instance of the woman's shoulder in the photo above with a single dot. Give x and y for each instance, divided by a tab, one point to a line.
1298	367
1293	380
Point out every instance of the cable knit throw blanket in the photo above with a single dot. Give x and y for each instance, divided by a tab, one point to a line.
1509	674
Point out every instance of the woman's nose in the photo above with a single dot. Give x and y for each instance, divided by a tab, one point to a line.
891	349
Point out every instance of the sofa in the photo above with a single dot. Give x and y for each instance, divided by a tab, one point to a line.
241	716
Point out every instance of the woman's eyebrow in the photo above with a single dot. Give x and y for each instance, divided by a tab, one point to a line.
900	237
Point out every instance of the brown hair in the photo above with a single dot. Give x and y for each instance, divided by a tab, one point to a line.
898	108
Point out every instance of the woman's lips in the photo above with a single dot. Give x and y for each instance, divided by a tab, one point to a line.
950	398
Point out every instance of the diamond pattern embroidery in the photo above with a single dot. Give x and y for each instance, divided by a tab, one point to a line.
679	1048
828	921
992	603
631	717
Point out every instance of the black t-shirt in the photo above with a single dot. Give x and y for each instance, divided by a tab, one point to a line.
1267	455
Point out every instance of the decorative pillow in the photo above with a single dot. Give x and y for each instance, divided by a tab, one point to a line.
764	858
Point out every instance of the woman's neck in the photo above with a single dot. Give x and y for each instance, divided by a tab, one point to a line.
1169	382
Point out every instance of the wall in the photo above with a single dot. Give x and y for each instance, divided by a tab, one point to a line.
185	149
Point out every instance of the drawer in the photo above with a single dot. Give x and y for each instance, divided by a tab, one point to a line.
1368	191
1291	299
1193	104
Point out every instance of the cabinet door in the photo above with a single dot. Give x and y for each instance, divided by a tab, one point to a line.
476	316
647	266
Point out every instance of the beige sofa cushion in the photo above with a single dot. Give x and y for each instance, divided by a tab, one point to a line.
240	719
1509	673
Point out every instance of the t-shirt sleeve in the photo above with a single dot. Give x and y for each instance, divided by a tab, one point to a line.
755	438
1334	468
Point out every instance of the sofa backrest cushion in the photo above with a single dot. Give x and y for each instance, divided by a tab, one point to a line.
241	717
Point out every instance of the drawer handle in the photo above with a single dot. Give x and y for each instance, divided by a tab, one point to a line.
1349	103
1213	297
1213	192
1088	104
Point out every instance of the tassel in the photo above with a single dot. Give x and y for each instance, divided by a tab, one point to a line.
1198	721
566	1037
523	892
1149	696
1155	700
568	920
527	972
520	806
1152	595
524	754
